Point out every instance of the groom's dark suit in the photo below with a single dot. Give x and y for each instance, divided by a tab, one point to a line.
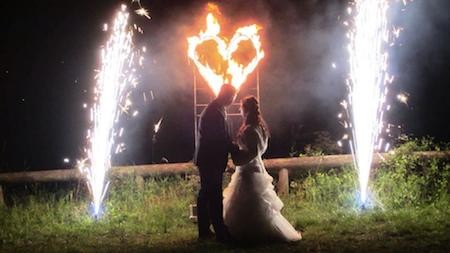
211	157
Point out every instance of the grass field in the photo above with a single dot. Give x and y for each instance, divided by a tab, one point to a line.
412	214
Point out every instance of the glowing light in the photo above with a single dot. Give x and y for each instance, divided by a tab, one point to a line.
115	75
367	82
66	160
143	12
230	70
157	126
386	148
403	98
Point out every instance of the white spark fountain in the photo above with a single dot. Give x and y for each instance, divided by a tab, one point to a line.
367	82
115	75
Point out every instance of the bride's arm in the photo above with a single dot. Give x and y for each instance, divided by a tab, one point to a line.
250	140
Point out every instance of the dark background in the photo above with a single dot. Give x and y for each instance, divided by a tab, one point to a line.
49	50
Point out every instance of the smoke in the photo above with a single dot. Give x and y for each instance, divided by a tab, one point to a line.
41	102
298	84
300	88
298	73
167	82
419	63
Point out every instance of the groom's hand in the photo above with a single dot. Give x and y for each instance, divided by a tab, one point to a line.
230	167
233	149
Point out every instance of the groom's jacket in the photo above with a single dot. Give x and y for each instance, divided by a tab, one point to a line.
213	140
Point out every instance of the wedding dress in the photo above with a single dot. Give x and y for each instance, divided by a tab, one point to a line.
251	206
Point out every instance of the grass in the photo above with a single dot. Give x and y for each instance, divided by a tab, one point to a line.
411	214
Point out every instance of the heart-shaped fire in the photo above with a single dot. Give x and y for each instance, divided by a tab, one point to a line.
222	65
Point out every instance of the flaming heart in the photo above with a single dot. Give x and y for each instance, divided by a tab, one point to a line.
229	70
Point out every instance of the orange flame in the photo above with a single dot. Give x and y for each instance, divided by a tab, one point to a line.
226	67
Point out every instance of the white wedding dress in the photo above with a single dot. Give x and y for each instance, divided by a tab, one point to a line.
251	206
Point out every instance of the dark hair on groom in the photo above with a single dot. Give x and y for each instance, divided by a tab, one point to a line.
226	94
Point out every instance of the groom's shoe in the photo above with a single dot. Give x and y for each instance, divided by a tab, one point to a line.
206	236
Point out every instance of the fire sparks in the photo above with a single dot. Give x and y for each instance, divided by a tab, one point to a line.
367	82
141	11
157	126
115	75
230	69
403	97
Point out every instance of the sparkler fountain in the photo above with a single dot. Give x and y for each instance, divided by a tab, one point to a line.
116	74
367	83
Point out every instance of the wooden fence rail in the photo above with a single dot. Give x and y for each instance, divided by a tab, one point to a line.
281	166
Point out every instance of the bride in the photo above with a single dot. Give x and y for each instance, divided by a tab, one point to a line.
251	206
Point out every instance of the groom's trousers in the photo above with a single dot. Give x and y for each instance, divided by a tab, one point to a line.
209	204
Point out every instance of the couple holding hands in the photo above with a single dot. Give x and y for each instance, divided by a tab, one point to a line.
248	210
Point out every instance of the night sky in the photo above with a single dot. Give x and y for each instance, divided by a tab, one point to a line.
49	50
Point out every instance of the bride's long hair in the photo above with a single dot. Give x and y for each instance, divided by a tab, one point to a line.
250	106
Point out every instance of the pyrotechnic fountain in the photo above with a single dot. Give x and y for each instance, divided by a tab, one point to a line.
367	82
117	73
233	71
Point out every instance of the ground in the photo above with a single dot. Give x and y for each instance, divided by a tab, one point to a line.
410	214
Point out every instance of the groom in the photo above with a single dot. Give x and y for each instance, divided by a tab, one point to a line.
211	157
